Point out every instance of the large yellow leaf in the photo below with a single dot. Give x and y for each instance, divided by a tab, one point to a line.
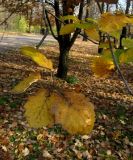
25	84
127	56
37	57
67	29
112	23
46	108
76	115
38	111
103	67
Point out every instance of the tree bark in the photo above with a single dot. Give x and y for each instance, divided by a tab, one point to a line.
64	48
63	63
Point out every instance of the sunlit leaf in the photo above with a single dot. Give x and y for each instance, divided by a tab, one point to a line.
103	67
68	114
112	23
25	83
127	42
37	111
92	33
86	25
92	20
67	29
127	56
37	57
70	17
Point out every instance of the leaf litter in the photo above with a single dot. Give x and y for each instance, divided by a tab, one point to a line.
112	136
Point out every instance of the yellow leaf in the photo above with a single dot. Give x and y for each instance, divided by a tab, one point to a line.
25	84
127	56
106	45
46	108
92	33
127	42
67	29
38	111
112	23
37	57
70	17
76	115
102	67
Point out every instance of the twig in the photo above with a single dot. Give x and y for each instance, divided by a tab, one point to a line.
43	38
117	67
46	12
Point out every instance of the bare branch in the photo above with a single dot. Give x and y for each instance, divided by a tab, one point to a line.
117	66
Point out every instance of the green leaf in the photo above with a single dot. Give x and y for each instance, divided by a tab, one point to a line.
127	42
91	20
85	25
117	53
127	56
69	17
72	80
108	56
67	29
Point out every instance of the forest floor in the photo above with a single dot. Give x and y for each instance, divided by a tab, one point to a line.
112	136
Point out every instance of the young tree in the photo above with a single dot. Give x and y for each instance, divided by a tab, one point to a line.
64	8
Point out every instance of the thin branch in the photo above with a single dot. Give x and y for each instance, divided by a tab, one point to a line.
50	3
46	12
91	40
117	66
43	38
77	30
79	33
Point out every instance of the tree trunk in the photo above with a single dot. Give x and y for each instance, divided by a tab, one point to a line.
63	63
64	48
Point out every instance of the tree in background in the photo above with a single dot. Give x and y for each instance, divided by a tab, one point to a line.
57	9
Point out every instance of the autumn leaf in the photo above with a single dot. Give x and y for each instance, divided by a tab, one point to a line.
105	44
102	67
25	83
113	23
37	110
127	56
69	17
68	114
37	57
92	33
47	108
67	29
127	42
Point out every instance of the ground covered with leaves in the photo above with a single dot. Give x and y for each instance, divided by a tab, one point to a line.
112	136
